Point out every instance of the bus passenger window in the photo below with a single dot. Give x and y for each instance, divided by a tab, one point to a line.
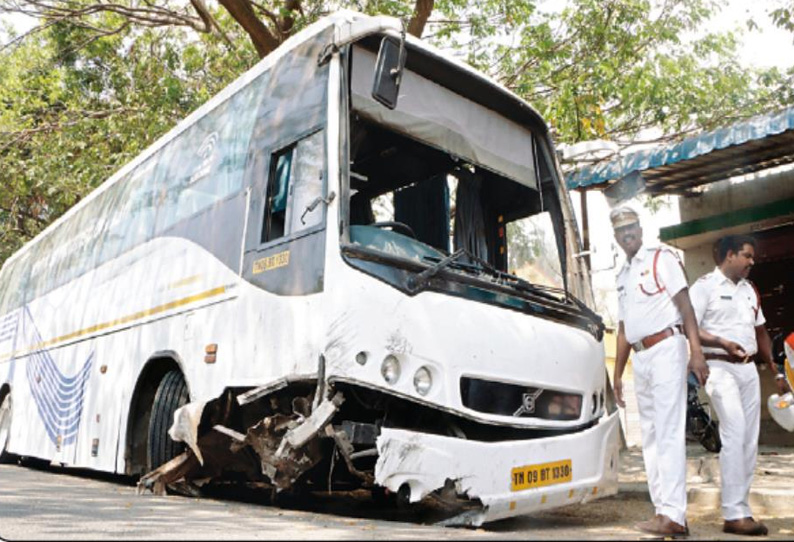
296	179
276	206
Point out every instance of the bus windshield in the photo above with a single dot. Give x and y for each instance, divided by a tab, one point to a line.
409	201
450	185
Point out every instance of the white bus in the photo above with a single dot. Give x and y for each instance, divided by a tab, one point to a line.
307	285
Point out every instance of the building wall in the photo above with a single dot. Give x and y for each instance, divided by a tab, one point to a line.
748	191
724	197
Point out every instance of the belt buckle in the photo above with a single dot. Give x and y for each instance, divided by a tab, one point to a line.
638	346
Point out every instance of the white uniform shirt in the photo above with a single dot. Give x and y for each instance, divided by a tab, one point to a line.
645	298
727	310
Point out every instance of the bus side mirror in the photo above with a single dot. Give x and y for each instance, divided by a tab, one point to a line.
389	72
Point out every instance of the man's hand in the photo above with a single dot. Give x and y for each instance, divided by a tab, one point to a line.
697	365
617	386
735	350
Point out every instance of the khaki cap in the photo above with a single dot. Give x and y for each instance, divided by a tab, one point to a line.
623	216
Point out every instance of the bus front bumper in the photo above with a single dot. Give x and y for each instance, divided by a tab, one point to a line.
509	478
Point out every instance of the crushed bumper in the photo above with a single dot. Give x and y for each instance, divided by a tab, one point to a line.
483	470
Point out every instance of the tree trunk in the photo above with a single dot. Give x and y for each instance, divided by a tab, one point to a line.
422	11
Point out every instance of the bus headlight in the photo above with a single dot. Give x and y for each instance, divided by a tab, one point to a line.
423	381
390	369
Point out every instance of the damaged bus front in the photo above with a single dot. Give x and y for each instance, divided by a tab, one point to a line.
429	333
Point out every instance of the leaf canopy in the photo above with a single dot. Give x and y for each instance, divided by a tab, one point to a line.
96	83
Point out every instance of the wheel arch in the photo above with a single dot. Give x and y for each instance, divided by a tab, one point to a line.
141	403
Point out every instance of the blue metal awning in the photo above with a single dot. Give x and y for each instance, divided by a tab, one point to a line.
758	143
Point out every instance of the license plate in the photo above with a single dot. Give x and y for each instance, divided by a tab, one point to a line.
542	474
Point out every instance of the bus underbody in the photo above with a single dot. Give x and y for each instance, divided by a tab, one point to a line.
297	437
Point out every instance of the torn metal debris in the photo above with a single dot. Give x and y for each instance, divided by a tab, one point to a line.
285	444
356	438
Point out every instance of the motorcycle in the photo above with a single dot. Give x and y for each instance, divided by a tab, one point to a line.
700	426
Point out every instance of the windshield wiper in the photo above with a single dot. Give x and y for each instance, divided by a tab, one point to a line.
598	322
526	286
522	284
478	265
596	327
420	281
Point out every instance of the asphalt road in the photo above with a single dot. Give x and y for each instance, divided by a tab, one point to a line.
39	502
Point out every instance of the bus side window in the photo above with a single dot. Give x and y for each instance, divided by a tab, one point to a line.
13	284
276	203
295	180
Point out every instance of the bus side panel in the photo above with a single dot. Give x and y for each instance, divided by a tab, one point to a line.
164	281
219	230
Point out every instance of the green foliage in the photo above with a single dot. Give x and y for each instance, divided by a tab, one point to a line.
70	116
600	69
783	15
87	94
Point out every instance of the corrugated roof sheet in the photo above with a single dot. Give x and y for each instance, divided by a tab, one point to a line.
760	142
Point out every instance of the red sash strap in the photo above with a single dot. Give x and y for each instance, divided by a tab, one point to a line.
659	287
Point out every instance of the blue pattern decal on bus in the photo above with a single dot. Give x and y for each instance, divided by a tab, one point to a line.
59	398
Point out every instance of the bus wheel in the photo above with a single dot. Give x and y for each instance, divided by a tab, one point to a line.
5	428
171	394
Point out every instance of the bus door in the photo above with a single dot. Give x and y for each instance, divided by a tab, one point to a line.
285	235
285	243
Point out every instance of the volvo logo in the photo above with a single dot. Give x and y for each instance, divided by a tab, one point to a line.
528	403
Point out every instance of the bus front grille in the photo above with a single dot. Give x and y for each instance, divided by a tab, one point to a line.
519	401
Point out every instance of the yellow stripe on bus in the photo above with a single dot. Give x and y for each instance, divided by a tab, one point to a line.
123	320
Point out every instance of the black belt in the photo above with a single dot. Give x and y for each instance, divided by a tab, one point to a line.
728	358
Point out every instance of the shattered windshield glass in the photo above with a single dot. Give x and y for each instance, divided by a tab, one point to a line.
413	202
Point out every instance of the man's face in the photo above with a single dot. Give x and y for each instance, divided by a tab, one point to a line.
739	264
629	238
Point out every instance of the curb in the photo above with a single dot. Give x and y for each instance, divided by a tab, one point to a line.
765	502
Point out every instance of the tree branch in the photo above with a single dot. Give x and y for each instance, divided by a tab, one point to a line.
242	11
146	16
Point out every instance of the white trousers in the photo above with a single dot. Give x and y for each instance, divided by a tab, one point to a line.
735	394
660	386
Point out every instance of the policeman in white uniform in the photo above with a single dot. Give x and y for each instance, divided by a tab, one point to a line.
728	309
656	319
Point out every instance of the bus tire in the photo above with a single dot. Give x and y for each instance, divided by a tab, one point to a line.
171	394
5	428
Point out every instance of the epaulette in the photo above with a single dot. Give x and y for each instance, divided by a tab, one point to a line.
705	277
